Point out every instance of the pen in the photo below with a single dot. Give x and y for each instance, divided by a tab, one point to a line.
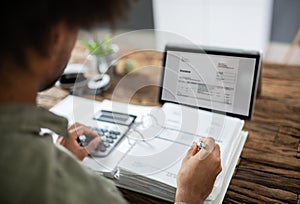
200	144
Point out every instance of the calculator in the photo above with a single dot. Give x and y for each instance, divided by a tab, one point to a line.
112	127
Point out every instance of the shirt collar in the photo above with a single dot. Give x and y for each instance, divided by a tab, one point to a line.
29	118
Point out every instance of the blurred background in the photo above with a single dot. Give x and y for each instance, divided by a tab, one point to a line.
266	25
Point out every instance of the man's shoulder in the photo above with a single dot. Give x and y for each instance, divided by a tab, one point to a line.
40	168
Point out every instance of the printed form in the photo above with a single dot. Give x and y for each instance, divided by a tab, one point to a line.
213	83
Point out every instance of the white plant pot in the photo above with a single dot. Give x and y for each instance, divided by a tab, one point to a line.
102	63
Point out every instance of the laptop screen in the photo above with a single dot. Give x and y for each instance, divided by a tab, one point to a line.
213	79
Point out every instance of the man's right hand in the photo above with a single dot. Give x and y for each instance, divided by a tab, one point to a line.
72	145
198	173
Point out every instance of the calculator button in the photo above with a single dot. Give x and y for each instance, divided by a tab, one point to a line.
101	147
110	136
104	130
112	132
103	138
106	144
100	133
109	140
113	136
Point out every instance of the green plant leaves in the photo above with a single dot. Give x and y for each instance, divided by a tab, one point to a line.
98	48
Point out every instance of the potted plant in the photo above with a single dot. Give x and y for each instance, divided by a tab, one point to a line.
103	53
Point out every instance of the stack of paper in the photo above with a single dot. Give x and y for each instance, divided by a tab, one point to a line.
151	166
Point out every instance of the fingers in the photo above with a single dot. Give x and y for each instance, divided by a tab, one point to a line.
192	151
204	151
93	144
216	153
215	159
81	153
78	129
216	150
89	132
84	151
209	147
71	143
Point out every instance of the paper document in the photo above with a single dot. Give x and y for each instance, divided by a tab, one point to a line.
149	156
159	158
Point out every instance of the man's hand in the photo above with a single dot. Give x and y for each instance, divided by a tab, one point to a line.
198	173
72	145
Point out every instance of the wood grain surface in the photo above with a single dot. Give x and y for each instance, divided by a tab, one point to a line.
269	168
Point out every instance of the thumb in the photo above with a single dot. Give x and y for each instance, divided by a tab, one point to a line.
93	144
205	151
192	150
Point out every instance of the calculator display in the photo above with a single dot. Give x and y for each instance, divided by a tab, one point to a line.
115	117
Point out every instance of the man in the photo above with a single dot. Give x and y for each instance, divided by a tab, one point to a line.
37	39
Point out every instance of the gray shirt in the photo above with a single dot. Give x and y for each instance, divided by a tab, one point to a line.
34	170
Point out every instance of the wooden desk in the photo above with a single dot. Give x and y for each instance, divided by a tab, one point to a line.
269	168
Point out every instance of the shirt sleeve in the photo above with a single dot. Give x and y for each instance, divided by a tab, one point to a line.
76	183
109	192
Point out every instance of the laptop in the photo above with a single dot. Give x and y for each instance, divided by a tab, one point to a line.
214	79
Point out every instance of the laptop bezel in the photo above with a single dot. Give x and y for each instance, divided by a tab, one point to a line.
217	51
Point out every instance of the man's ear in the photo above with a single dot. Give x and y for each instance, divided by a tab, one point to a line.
57	36
62	37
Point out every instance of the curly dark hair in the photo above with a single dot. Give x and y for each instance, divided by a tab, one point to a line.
28	23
